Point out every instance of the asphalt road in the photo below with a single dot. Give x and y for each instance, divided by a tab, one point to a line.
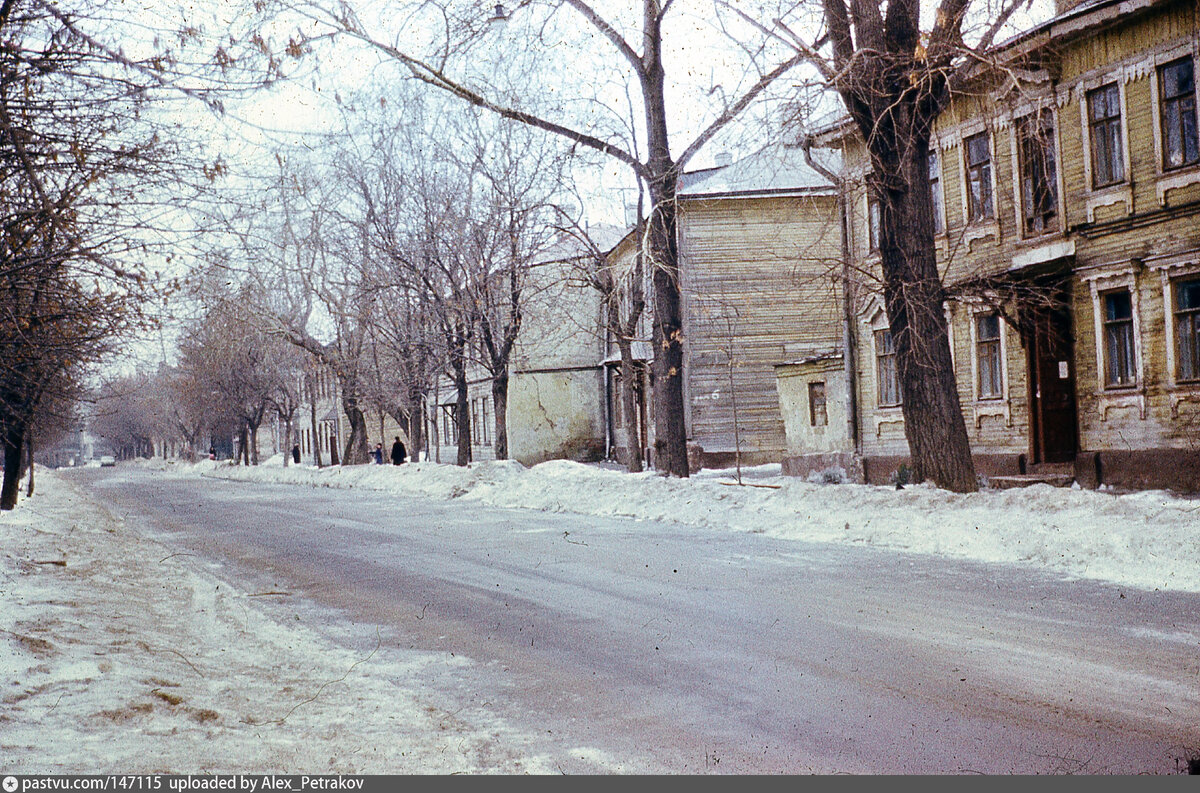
685	650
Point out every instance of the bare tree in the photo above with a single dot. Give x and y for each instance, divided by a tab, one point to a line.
895	77
457	64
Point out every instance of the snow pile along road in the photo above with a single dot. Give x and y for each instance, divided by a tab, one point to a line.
1149	540
119	656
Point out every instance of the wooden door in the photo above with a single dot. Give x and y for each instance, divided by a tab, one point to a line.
1053	421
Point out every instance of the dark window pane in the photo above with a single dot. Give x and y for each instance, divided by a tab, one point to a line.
1118	305
1104	111
1187	329
1119	365
1178	114
1187	295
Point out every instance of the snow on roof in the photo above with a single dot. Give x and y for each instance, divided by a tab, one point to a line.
777	168
573	246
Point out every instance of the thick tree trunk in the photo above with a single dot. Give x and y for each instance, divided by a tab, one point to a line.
14	447
356	452
500	409
244	446
462	416
915	299
253	438
416	425
670	435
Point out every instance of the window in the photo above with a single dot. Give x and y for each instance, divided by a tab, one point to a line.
979	178
989	360
1119	366
888	383
935	189
483	412
874	225
1187	328
1039	174
449	424
1104	124
1177	96
817	415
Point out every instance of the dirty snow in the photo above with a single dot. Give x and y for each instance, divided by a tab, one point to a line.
185	671
119	655
1149	539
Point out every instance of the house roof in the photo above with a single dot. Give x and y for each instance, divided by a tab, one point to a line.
569	246
1083	18
773	170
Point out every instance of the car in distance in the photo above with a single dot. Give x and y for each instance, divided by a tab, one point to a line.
107	460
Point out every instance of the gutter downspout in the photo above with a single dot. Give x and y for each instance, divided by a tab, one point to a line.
849	343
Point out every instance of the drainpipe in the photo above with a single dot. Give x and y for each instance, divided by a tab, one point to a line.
849	346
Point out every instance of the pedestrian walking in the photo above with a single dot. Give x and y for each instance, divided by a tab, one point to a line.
398	452
377	453
296	454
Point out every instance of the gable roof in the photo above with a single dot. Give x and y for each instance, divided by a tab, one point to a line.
776	169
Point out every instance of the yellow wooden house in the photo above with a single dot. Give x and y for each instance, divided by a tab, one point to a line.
1067	194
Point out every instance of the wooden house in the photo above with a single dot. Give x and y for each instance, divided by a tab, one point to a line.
760	255
1067	193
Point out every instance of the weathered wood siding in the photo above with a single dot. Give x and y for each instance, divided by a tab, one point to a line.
1140	234
761	288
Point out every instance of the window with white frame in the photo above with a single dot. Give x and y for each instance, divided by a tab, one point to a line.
989	356
1186	311
1120	364
887	379
1104	130
980	205
1177	114
935	190
481	430
1039	173
449	424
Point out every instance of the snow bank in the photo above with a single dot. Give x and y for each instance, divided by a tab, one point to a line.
1149	539
118	655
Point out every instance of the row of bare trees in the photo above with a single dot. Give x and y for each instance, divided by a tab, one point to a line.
399	256
895	66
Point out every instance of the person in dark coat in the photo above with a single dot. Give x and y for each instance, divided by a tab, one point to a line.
377	453
398	452
296	454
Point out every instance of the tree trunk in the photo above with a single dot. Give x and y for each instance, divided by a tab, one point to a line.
915	299
416	425
253	438
244	446
14	438
500	409
670	436
287	440
629	407
356	452
314	434
29	458
462	417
